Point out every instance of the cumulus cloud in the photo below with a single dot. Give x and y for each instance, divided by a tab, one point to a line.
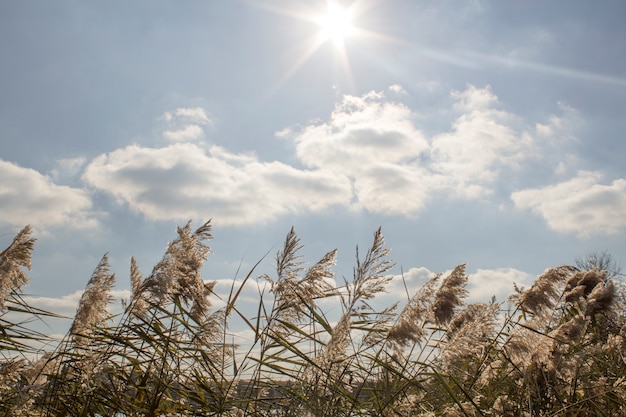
373	142
396	168
482	284
184	181
369	155
28	197
480	145
580	205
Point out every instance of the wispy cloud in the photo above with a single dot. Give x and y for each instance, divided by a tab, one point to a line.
189	114
185	124
28	197
67	167
580	206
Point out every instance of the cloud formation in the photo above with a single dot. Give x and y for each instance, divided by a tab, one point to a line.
481	144
369	155
375	143
183	181
28	197
580	206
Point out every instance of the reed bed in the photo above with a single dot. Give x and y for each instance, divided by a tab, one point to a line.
556	348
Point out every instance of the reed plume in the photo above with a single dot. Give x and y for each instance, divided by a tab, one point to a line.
12	259
409	326
178	273
450	295
93	306
295	294
545	291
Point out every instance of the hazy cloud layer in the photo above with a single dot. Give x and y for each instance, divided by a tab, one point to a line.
28	197
580	205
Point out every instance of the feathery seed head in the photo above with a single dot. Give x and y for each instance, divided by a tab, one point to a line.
295	295
601	299
543	294
450	295
571	330
369	278
12	259
409	327
92	308
178	273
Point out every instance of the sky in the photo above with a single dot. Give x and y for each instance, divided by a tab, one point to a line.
483	132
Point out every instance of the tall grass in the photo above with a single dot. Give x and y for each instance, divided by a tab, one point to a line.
554	349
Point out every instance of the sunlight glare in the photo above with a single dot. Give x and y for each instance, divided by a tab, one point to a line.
335	25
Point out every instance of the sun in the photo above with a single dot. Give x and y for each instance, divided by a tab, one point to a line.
335	25
332	24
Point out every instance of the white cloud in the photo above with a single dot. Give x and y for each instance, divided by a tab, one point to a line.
28	197
186	124
189	132
482	285
194	114
581	205
487	283
396	169
375	143
369	155
480	145
183	181
66	305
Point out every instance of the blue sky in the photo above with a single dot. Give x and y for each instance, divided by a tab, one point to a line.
485	132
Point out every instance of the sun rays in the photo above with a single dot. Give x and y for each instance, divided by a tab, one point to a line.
331	24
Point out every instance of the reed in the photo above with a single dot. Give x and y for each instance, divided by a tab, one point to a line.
554	349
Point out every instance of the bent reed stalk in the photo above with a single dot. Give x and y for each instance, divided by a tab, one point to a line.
554	349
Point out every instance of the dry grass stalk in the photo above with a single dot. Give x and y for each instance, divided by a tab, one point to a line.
12	259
